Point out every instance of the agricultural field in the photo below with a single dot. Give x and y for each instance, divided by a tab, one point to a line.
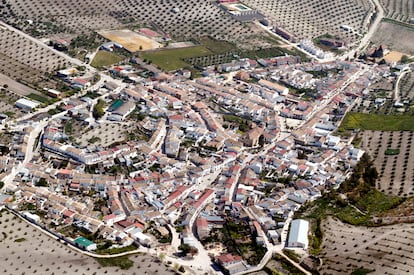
392	154
15	86
7	101
381	250
27	62
379	122
189	19
173	59
26	250
401	10
310	19
398	37
105	58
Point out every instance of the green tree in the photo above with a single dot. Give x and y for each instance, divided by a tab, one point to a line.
42	182
98	110
404	59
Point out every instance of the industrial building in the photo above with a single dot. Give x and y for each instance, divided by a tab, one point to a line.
298	234
26	104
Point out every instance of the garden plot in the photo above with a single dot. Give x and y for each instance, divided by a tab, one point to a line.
26	250
393	154
382	250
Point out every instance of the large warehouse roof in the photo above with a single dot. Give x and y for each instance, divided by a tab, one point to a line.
299	232
25	103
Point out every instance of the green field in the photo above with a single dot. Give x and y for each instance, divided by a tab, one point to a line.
105	58
172	59
376	122
216	46
41	99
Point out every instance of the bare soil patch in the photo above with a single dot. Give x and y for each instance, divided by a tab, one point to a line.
397	37
130	40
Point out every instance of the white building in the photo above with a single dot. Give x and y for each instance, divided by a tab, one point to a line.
26	104
32	217
298	234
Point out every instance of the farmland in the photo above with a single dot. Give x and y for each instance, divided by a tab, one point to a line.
27	62
314	18
192	19
377	122
392	152
172	59
382	250
401	10
26	250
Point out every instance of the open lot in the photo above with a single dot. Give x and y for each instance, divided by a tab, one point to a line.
130	40
396	36
382	250
396	171
103	135
26	250
15	86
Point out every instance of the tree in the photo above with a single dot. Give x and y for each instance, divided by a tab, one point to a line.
404	59
185	248
161	257
98	110
42	182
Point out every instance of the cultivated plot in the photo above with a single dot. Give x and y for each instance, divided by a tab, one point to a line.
381	250
392	152
401	10
26	250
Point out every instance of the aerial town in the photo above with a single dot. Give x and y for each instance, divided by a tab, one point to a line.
131	142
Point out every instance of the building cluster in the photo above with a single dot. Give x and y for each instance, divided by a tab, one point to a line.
254	147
